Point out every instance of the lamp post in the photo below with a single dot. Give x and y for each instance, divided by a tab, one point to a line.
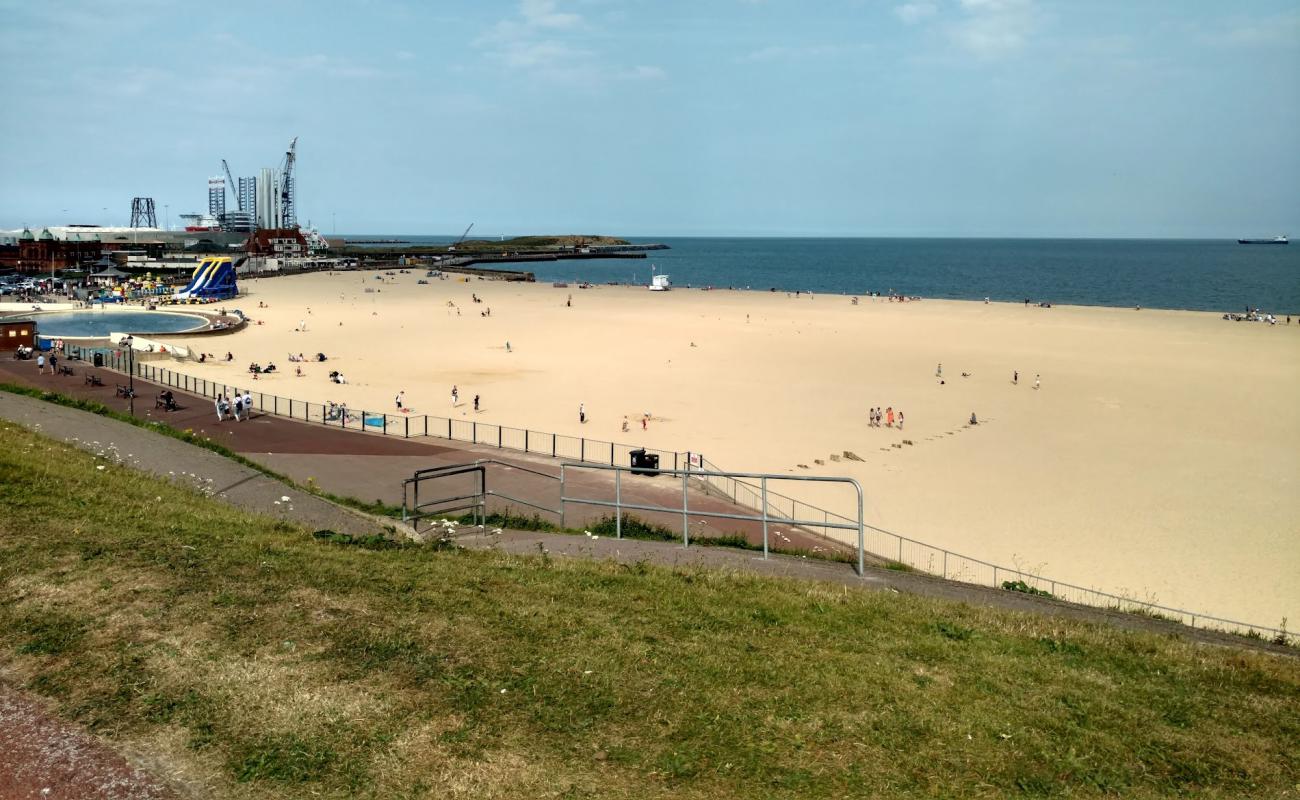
130	373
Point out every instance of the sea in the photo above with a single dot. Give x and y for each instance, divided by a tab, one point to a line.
1204	275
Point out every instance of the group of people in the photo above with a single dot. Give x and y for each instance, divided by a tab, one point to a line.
239	406
336	377
336	412
166	401
645	422
887	417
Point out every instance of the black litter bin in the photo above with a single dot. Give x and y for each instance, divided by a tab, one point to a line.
99	359
644	463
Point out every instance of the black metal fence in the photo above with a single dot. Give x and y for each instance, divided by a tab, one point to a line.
405	426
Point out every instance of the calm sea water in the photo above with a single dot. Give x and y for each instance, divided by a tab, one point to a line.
1209	275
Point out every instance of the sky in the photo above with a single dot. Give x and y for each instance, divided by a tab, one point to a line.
657	117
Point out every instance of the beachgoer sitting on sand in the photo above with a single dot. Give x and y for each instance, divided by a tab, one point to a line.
230	356
269	368
203	357
254	368
973	420
320	356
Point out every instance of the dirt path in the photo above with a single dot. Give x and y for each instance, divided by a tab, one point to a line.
44	758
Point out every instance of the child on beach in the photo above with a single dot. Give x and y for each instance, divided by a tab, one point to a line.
398	400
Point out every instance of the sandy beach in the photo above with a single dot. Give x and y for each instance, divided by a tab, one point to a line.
1159	458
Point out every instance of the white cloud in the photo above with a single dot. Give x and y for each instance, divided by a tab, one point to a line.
550	43
914	12
994	28
786	53
542	14
1281	30
643	72
763	54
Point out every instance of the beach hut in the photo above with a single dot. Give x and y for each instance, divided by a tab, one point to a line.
659	283
109	275
17	332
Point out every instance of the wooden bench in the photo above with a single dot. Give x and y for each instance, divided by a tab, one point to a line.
124	391
65	370
93	380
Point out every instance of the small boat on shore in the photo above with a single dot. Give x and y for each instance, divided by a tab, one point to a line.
1274	240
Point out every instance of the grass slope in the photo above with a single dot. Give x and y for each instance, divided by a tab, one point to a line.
256	661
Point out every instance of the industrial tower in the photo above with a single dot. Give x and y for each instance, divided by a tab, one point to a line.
288	214
142	213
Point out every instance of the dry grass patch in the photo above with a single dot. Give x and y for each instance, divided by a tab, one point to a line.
260	662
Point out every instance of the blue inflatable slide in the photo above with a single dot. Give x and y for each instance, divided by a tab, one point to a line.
213	279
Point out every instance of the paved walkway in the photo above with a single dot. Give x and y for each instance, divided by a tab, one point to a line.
174	460
370	466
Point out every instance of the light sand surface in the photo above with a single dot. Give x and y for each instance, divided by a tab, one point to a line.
1159	459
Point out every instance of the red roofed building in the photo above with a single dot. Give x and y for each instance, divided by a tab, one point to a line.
277	243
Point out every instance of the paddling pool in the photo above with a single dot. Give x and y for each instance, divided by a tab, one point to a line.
78	324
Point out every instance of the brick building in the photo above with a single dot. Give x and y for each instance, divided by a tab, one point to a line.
44	254
277	243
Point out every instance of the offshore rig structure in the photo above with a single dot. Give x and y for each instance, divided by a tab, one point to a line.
267	201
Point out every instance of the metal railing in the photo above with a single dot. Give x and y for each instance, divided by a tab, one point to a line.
687	475
949	565
415	509
406	426
738	487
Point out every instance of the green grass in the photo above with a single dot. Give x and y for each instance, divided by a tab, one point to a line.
265	662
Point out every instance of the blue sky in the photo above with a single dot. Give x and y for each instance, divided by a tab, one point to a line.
758	117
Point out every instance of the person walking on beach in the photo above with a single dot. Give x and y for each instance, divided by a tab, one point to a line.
1036	381
455	396
645	421
508	346
475	404
938	371
625	423
900	420
889	417
1015	377
398	400
582	413
248	404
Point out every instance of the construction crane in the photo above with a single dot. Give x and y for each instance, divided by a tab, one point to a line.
462	237
288	215
234	187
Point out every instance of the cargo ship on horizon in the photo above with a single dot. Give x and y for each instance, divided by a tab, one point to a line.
1274	240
